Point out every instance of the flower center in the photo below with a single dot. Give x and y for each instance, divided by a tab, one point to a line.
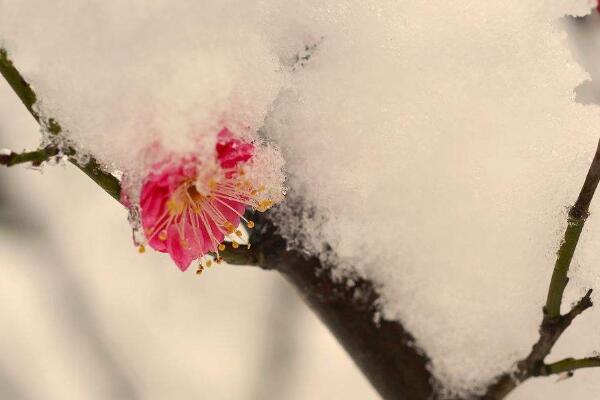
209	211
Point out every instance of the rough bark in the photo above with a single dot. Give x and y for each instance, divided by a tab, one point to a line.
383	350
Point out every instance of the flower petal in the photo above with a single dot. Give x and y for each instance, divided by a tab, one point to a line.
179	248
232	151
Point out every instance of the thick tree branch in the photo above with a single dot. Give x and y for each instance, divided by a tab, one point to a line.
242	256
382	349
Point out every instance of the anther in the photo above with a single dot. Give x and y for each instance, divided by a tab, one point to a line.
221	247
235	245
264	205
250	224
141	249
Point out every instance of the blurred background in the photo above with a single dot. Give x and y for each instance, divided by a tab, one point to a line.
84	316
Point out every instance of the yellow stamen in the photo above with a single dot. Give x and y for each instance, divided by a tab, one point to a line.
141	249
264	205
175	207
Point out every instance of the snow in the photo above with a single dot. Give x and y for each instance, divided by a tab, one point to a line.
87	317
434	146
159	72
444	150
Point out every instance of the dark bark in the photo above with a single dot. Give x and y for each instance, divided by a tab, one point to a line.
382	350
533	365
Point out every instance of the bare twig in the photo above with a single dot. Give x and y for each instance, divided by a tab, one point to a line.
553	323
550	331
576	220
533	365
36	157
581	207
18	83
570	365
20	86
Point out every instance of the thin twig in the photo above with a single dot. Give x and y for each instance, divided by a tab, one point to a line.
553	323
576	220
533	365
21	87
550	331
582	206
569	365
36	157
18	83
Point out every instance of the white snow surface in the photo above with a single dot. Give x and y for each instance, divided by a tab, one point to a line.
120	76
435	146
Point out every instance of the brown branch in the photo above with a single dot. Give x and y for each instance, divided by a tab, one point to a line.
582	206
577	216
383	350
533	365
553	323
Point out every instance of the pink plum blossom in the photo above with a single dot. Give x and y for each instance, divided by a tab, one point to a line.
190	206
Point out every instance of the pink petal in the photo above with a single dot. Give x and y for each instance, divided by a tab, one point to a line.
232	151
228	213
182	256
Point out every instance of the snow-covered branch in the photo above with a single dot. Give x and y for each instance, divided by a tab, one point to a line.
91	168
383	349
